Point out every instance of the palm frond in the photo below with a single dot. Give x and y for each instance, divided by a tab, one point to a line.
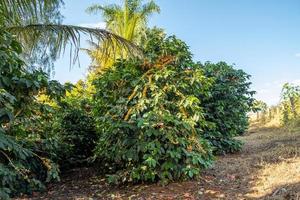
94	9
14	11
128	21
107	11
149	8
71	35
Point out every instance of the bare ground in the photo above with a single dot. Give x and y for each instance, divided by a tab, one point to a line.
268	167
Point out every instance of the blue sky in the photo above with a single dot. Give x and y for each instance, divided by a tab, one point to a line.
262	37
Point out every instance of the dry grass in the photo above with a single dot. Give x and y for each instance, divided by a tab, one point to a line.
274	177
278	152
267	168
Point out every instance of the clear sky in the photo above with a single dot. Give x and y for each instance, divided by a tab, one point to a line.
262	37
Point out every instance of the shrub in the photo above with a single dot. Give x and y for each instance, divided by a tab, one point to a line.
163	117
149	117
156	45
79	135
151	122
227	106
22	168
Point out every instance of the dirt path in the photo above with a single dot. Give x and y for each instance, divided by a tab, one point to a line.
268	167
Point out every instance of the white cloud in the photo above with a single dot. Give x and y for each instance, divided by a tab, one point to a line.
297	54
94	25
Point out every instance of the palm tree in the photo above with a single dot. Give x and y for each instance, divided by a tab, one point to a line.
13	14
129	22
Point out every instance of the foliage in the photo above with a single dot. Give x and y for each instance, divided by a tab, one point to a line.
259	105
157	46
150	122
286	112
156	118
160	118
71	127
260	108
148	116
290	91
129	22
43	53
22	168
27	124
28	19
31	120
79	134
227	106
290	94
